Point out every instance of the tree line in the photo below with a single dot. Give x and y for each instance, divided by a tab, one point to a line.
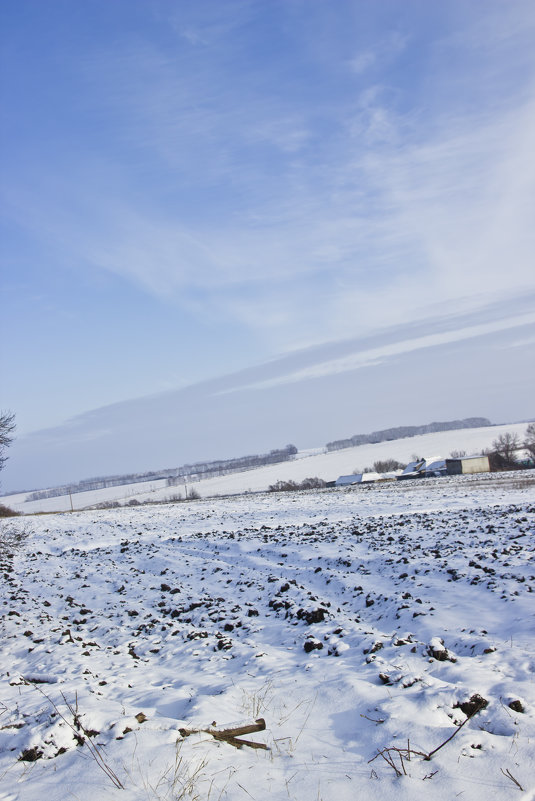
400	432
174	475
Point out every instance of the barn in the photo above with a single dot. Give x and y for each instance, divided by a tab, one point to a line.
467	465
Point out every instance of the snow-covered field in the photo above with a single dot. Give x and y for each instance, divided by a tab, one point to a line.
327	466
352	621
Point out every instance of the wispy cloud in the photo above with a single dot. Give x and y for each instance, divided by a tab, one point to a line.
253	216
384	51
372	357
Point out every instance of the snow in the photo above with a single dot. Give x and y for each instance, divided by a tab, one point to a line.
121	627
310	463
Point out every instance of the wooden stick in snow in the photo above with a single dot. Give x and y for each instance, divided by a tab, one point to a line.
230	734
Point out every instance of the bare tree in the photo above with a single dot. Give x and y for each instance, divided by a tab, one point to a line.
529	442
7	427
505	447
312	483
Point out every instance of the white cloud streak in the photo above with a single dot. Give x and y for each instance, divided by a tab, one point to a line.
375	356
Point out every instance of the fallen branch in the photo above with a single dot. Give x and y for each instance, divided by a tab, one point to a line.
231	734
237	730
237	742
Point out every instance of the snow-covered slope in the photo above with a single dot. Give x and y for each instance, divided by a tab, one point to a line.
327	466
350	621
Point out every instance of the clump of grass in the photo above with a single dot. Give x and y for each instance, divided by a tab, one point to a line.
185	779
256	702
81	735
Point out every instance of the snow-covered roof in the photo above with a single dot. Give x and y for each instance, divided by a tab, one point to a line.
343	481
371	476
414	467
466	458
437	464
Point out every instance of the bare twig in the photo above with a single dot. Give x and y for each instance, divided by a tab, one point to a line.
455	733
509	775
430	775
373	720
405	753
389	761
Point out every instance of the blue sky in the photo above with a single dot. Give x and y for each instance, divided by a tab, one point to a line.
276	194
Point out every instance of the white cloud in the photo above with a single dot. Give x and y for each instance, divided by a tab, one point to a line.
375	356
310	238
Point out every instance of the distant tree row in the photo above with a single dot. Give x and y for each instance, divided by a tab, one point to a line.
192	495
401	432
173	475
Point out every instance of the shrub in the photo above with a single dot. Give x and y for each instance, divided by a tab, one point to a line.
283	486
5	511
292	486
312	483
387	465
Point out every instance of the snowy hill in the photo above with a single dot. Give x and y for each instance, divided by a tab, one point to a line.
327	466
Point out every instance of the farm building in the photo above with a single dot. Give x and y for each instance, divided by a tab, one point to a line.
432	466
365	478
346	481
435	467
413	470
467	464
372	476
